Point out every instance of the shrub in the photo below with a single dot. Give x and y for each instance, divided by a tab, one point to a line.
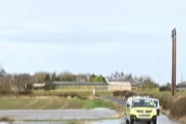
49	86
6	119
176	104
5	88
123	93
178	107
165	88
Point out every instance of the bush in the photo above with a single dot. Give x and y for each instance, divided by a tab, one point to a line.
176	104
178	107
123	93
6	119
29	88
49	86
5	88
73	95
166	101
165	88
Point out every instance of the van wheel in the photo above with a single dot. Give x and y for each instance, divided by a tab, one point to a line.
131	120
154	120
127	121
148	122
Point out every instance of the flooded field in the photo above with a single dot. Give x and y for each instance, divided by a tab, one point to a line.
74	117
66	114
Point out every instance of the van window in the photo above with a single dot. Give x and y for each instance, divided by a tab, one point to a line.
142	103
156	103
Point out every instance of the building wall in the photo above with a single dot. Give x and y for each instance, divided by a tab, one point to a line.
119	87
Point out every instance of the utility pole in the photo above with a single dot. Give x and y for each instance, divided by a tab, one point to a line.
173	62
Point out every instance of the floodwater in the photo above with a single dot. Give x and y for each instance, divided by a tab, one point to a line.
66	114
75	115
88	116
162	119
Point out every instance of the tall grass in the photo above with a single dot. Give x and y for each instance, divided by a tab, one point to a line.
176	105
51	102
82	93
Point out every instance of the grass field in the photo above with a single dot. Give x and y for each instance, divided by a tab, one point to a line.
50	102
84	93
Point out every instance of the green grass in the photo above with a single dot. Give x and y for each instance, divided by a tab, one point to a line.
82	93
81	90
90	104
50	102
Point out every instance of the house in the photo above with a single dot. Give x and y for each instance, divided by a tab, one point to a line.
109	86
119	86
39	86
79	86
114	85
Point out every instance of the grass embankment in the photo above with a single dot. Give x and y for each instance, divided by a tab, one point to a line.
51	102
173	106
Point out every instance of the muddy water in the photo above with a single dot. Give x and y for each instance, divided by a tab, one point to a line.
69	114
162	119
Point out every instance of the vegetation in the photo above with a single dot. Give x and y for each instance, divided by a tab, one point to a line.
8	119
50	102
2	72
51	97
175	105
125	94
76	122
98	78
148	85
23	83
81	94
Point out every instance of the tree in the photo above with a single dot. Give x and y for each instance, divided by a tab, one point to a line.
6	85
97	78
2	72
54	77
5	88
149	84
21	81
42	77
67	76
49	86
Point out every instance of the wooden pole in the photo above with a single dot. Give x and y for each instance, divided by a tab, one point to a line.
173	62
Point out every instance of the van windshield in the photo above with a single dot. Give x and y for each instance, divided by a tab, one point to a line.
142	103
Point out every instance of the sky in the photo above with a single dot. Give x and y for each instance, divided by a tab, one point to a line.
93	36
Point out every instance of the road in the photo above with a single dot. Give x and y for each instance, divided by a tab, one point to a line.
162	119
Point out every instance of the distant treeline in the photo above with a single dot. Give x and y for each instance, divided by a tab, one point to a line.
23	83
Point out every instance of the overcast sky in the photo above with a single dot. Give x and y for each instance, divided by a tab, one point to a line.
93	36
